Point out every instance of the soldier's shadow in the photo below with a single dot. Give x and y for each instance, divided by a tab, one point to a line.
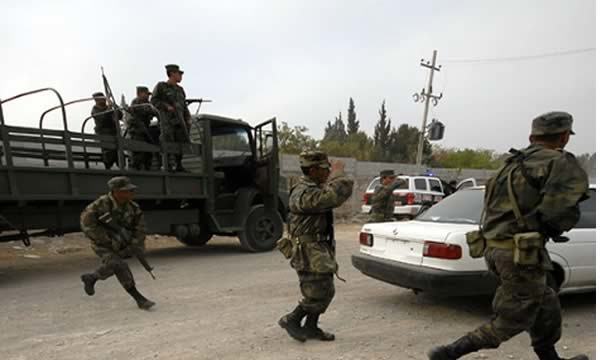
479	306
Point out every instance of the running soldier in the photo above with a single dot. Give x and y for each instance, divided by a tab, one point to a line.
533	198
116	210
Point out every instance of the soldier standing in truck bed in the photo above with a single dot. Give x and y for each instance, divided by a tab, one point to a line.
104	120
142	113
175	119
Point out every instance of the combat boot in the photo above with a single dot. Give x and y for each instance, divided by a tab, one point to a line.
141	301
292	324
89	280
460	347
312	330
549	353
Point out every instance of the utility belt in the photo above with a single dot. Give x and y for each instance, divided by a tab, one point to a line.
527	247
286	244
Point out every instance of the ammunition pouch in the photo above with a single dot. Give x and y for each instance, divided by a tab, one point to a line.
476	243
285	246
527	248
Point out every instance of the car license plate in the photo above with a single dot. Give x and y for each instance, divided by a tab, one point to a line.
427	197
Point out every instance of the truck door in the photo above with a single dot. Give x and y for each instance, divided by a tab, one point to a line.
267	160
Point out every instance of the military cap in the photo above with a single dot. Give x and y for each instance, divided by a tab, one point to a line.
554	122
98	94
388	172
121	183
314	158
142	89
173	68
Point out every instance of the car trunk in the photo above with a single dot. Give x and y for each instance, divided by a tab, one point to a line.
404	241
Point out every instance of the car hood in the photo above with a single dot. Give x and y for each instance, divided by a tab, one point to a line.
417	230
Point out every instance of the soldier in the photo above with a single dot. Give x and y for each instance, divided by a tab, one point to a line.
175	118
311	204
105	125
142	113
116	209
534	197
382	208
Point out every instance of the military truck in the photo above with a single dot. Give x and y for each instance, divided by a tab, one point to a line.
233	186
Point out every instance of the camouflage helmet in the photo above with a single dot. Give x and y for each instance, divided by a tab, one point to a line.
310	158
386	172
121	183
140	89
173	68
554	122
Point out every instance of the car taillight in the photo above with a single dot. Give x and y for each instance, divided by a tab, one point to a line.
442	251
366	199
366	239
410	198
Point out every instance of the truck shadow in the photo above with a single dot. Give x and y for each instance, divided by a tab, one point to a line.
74	264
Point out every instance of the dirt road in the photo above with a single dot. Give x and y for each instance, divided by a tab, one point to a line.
217	302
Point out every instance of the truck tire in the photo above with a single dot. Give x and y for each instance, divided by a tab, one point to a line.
262	229
193	235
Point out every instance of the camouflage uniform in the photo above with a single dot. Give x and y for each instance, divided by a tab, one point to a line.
113	250
548	185
139	130
105	125
382	203
311	233
175	125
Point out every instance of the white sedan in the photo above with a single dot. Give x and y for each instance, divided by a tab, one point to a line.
430	253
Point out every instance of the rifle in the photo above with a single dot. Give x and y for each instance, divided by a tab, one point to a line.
123	236
329	231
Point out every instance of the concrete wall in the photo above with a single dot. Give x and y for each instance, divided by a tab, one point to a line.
364	171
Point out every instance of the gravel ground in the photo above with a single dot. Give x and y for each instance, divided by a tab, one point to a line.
217	302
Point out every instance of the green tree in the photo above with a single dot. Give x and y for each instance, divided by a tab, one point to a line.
294	140
466	158
335	131
381	135
404	141
352	123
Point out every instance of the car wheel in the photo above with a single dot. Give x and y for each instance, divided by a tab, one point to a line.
194	235
262	229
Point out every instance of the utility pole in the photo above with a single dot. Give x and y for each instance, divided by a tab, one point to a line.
425	96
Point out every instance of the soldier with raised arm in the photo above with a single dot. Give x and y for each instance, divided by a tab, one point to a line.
382	203
323	187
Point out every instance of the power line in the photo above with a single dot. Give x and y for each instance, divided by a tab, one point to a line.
521	58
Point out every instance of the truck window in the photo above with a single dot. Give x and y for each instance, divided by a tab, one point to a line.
587	219
231	142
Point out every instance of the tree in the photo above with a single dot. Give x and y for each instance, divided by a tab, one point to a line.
294	140
335	131
381	135
404	141
352	123
466	158
358	146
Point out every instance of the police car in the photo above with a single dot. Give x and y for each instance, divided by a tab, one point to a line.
430	253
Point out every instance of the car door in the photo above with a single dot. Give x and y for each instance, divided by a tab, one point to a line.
436	189
580	251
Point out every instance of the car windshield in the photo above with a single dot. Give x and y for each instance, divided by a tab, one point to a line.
463	207
231	142
375	182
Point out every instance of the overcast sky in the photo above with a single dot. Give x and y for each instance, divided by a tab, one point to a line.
301	60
